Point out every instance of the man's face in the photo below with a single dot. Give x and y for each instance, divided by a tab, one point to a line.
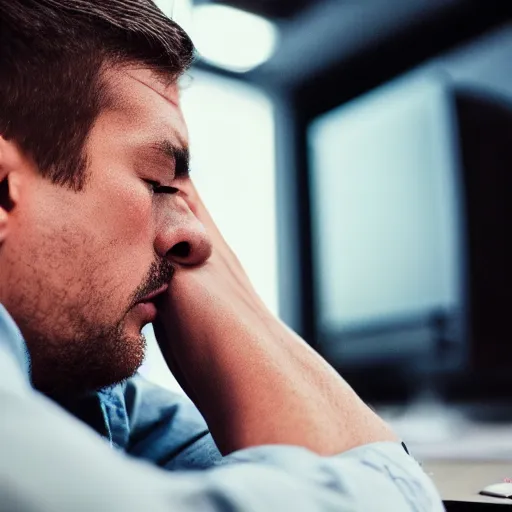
75	266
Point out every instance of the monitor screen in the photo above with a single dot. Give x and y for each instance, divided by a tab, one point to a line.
386	223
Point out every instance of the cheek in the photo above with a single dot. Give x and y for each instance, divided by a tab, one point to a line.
131	219
129	242
99	246
121	250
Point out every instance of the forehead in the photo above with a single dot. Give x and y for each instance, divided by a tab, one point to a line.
143	103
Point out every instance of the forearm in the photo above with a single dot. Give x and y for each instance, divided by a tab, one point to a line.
253	379
256	382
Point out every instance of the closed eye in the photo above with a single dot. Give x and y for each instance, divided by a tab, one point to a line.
156	188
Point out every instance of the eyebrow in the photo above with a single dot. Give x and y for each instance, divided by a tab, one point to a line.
180	155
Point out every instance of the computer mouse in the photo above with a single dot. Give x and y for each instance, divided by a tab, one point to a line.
501	490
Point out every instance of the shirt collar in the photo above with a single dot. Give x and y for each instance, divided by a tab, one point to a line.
12	339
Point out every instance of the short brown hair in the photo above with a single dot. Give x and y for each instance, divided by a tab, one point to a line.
52	53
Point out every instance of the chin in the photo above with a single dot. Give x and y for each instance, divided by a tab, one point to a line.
88	367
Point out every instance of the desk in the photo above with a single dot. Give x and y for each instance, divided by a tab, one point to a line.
462	480
461	456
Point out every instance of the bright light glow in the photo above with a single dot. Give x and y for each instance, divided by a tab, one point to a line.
232	146
232	38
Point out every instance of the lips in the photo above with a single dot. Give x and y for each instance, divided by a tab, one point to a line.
153	295
147	306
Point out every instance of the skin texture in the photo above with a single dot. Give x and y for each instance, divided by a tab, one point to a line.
72	265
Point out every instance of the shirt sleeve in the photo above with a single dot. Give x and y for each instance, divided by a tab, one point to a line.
166	429
51	462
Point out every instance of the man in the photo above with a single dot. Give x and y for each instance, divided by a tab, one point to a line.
102	232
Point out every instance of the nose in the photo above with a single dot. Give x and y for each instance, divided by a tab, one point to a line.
181	238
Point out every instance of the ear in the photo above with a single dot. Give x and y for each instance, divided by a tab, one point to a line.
10	160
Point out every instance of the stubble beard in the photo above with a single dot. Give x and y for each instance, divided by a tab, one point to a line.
93	359
73	348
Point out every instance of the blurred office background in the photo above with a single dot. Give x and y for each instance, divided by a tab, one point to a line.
357	155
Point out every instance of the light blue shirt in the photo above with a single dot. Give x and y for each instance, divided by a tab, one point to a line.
138	447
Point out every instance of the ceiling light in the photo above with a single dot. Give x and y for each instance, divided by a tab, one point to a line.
232	38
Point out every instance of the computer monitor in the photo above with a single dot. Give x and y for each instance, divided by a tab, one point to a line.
389	237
